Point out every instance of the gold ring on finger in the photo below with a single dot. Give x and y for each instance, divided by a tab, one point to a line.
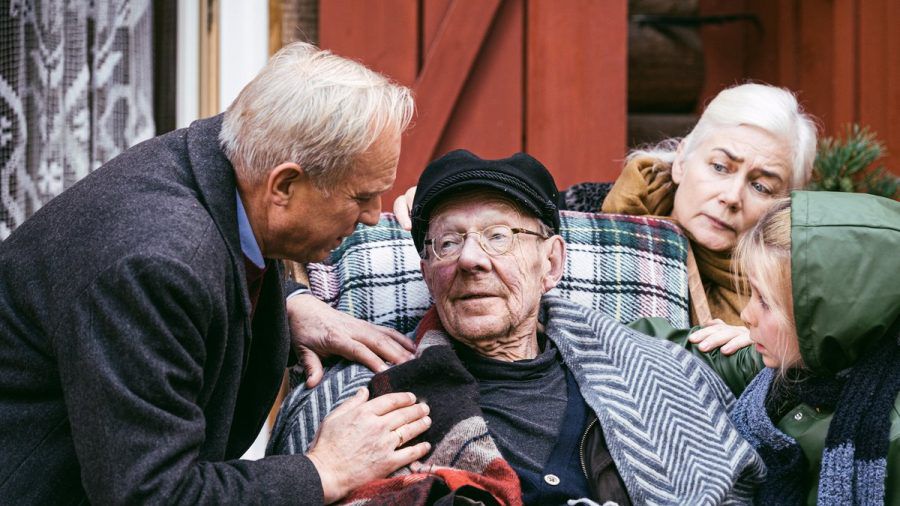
399	437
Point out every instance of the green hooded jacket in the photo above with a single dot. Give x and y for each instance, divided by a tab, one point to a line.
845	272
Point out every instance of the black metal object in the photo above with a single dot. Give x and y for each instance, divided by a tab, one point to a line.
694	21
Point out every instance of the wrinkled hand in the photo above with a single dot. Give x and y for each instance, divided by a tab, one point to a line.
716	333
403	208
319	331
360	441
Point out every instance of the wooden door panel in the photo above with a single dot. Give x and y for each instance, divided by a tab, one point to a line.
497	76
845	43
576	87
445	69
487	119
383	34
816	59
879	77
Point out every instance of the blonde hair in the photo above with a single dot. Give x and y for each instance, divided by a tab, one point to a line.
313	108
765	252
769	108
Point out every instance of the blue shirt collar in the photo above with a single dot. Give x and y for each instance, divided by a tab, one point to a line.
248	241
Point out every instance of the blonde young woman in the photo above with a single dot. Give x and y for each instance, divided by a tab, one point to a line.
824	315
752	145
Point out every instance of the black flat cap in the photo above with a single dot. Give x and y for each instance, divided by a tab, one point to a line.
520	177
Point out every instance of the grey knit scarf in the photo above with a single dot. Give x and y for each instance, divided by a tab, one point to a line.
854	459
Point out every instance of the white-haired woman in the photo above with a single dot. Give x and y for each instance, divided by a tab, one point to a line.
752	144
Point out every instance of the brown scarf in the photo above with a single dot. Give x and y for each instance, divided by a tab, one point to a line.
645	188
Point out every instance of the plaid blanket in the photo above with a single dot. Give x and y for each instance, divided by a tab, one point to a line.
464	460
375	276
628	267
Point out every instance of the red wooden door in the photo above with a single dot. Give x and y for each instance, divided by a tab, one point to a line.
498	76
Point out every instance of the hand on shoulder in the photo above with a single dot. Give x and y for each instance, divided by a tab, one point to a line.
319	331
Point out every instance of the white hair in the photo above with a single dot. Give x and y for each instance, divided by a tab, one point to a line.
770	108
313	108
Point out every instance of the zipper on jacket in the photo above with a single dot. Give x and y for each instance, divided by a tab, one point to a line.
581	448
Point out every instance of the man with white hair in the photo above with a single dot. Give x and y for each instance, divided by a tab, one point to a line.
143	328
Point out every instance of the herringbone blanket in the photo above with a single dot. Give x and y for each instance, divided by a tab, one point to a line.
664	414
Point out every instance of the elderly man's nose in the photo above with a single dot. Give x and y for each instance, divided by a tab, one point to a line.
472	254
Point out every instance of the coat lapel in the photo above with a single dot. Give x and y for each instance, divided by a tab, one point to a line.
216	181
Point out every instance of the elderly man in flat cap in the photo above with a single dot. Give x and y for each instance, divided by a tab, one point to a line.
535	399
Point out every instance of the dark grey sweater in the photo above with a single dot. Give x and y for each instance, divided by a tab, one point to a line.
523	403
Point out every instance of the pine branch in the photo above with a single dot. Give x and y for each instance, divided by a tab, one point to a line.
841	163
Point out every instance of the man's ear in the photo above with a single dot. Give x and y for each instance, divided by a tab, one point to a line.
556	261
282	182
678	164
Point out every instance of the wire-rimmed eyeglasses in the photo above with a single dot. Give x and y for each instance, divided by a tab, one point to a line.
494	240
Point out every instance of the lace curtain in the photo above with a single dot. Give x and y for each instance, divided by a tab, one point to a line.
75	90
